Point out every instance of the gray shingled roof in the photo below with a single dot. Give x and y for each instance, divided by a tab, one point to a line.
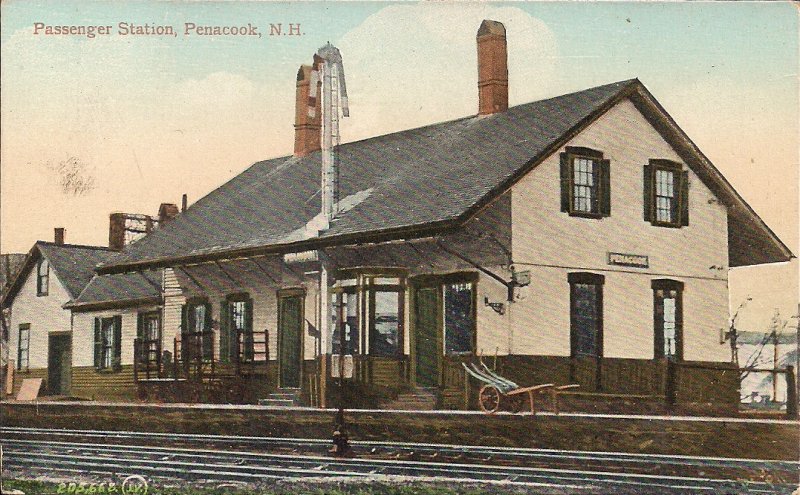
73	264
120	287
419	180
409	178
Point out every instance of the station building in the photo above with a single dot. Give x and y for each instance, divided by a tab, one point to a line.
579	239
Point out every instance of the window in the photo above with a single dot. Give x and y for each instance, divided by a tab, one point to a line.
585	183
666	194
42	277
459	317
107	343
149	334
386	321
668	319
345	317
198	325
586	314
236	335
23	346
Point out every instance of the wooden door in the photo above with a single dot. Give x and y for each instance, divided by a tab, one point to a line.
58	364
427	347
290	327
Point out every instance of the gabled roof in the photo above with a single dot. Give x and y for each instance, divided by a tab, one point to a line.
418	182
72	264
122	289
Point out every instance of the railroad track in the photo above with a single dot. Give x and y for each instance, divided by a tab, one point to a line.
449	451
112	457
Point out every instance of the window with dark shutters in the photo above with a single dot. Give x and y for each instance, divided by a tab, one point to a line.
585	183
665	193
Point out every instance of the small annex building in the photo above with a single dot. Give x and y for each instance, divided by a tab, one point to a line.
578	239
57	290
40	340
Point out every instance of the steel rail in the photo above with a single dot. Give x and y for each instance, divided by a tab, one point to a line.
351	467
510	453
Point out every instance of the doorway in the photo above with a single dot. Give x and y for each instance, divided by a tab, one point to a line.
59	361
427	341
290	339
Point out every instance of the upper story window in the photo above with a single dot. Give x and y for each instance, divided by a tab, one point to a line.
586	314
666	194
668	319
23	346
585	183
42	277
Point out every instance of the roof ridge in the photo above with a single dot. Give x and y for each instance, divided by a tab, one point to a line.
622	83
79	246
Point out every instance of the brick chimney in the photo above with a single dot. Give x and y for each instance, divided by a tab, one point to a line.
492	68
59	235
166	212
306	129
116	231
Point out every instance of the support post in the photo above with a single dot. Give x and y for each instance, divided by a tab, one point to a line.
791	393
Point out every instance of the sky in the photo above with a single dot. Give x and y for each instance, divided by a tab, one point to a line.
124	123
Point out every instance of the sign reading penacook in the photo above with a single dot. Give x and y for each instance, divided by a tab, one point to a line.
622	259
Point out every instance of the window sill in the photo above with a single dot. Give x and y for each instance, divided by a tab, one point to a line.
583	214
669	225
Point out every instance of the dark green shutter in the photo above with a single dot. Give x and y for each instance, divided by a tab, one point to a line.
248	330
140	352
605	187
647	189
658	325
565	182
184	319
98	343
117	357
679	325
208	344
684	198
225	348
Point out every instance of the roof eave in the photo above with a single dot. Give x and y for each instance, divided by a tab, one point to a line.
81	307
406	232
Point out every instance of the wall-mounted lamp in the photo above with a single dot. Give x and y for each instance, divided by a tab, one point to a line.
498	307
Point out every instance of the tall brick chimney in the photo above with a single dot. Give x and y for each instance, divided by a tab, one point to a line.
116	231
166	212
306	129
59	234
492	68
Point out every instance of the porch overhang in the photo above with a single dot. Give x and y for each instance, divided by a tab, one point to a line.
411	232
82	307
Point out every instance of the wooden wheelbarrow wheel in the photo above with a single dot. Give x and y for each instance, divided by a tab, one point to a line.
489	399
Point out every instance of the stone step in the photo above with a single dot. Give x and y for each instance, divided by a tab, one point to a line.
276	402
286	396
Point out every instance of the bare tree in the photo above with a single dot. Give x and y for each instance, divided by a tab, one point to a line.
74	176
